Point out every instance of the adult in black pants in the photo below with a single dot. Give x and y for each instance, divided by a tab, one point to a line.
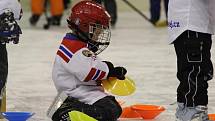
111	7
195	69
190	27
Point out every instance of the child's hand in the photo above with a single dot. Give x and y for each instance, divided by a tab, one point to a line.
118	72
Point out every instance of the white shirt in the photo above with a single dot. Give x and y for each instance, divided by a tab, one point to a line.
196	15
12	5
76	70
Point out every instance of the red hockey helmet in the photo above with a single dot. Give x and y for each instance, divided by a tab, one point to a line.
91	22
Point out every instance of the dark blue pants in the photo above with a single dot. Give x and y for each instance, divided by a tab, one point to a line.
155	8
111	7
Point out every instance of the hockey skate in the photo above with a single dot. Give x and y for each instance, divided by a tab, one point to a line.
198	113
58	101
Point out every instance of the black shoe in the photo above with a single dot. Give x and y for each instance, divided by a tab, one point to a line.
34	19
56	20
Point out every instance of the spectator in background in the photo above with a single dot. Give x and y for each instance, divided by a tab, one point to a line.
111	7
155	11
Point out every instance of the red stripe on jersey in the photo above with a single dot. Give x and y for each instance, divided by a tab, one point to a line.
63	56
73	45
90	74
101	76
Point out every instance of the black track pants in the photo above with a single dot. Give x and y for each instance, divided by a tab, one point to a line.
194	67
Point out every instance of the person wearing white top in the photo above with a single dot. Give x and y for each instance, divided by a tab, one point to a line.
10	11
191	24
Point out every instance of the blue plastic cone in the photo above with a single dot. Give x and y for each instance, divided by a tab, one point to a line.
17	116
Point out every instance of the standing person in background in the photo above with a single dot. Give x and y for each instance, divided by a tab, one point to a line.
155	11
38	7
111	7
191	25
10	11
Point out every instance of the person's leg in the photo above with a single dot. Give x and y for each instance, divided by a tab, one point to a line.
105	109
3	71
37	8
57	9
194	69
166	2
112	108
66	4
155	10
111	7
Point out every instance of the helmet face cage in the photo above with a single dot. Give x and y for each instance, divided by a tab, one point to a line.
99	36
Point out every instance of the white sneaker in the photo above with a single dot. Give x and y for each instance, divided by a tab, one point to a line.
198	113
202	114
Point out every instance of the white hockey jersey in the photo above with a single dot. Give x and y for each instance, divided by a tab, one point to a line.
76	70
196	15
13	5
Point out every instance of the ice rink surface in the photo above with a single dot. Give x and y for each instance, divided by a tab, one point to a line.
135	44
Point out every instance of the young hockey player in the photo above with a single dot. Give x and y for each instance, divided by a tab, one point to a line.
10	11
78	71
191	25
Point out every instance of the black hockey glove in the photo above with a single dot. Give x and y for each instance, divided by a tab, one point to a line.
9	28
118	72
